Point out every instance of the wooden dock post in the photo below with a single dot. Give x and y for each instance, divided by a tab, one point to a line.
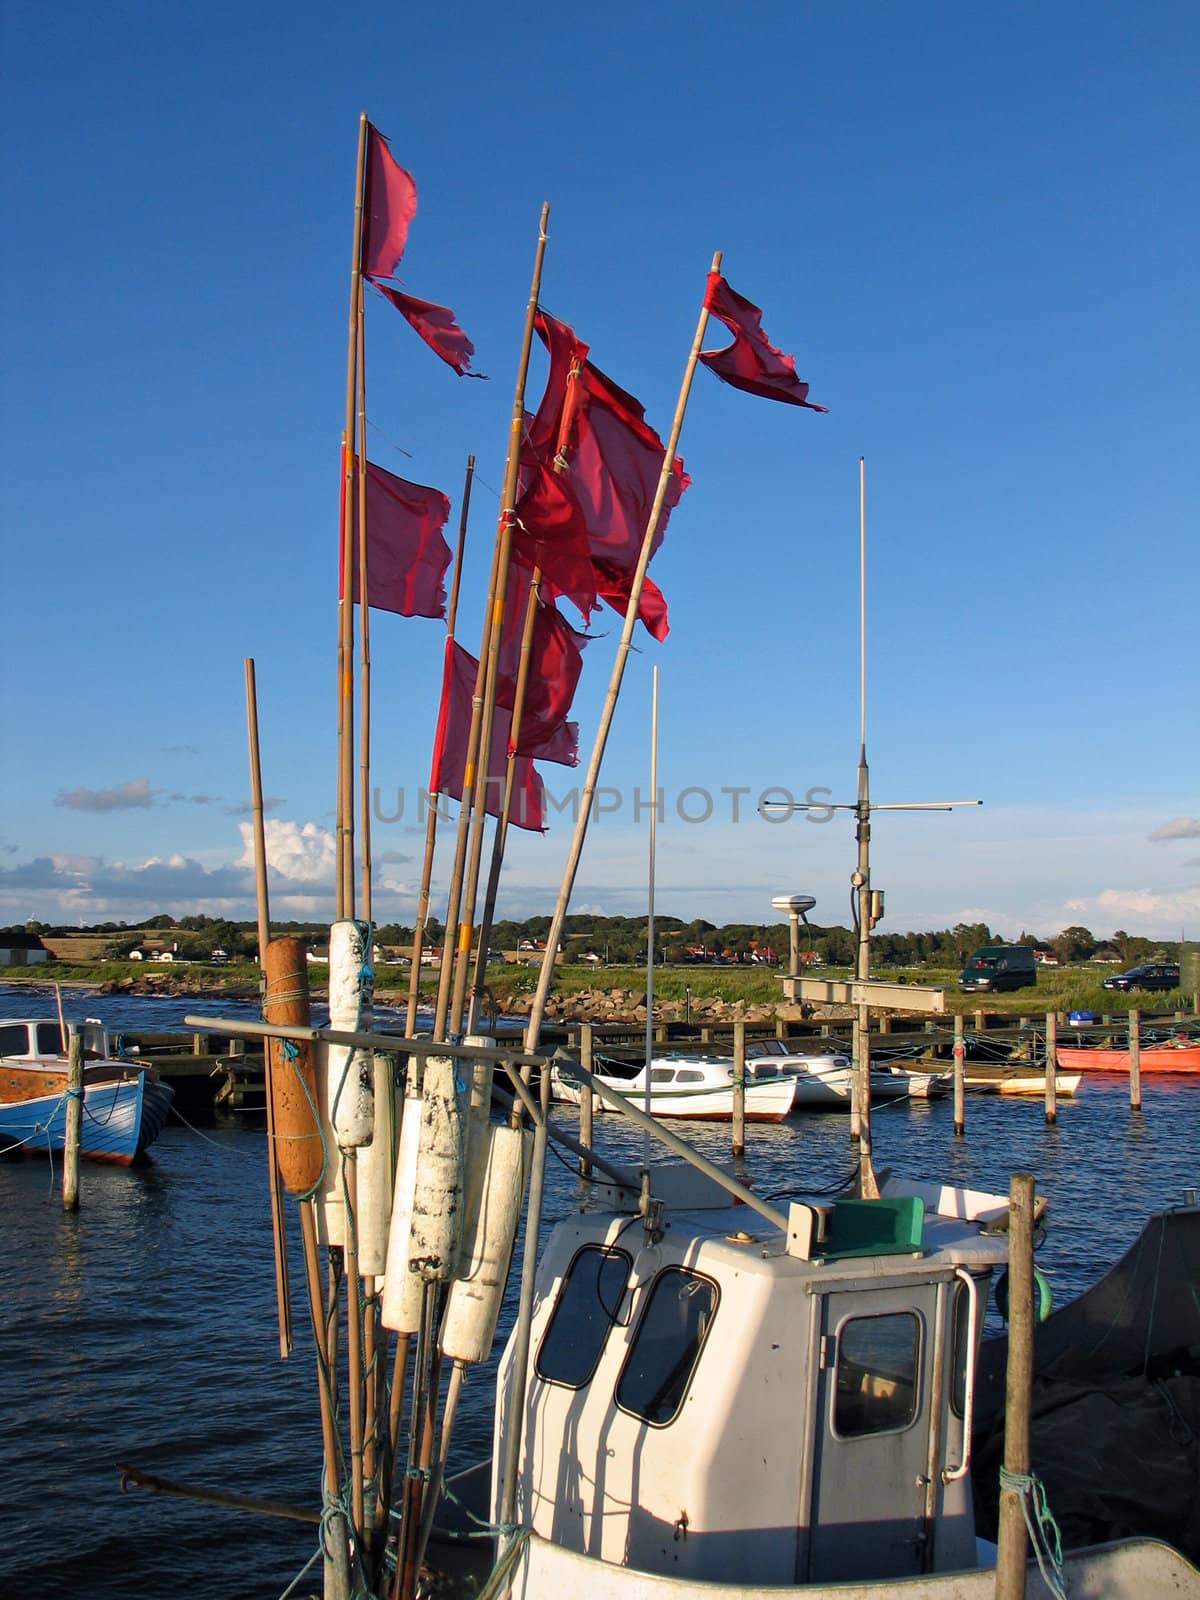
1011	1538
979	1016
585	1098
74	1122
1051	1067
1135	1059
739	1088
960	1113
855	1057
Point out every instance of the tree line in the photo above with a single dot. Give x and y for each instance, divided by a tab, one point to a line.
621	941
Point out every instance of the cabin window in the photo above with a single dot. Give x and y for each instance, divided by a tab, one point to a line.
662	1074
49	1039
588	1304
876	1388
688	1075
667	1345
14	1040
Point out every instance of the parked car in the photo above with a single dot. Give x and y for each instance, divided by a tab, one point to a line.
995	967
1151	975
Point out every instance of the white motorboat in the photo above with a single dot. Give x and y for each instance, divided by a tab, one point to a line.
697	1087
824	1081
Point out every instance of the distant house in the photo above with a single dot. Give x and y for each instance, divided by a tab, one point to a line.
136	955
19	948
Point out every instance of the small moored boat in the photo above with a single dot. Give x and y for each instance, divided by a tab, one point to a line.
124	1105
1176	1055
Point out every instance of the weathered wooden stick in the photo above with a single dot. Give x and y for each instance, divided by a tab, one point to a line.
135	1478
739	1088
1135	1059
960	1111
1011	1538
1051	1067
73	1117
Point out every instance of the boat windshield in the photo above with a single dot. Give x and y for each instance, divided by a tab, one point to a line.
50	1039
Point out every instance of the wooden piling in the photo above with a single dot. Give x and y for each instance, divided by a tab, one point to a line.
1051	1067
72	1137
960	1112
739	1088
586	1103
1011	1538
1135	1059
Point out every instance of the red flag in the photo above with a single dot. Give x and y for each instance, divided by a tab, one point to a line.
751	362
615	589
437	327
584	524
389	204
407	556
450	747
555	664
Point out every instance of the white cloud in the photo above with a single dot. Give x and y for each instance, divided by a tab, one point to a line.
297	852
1144	911
1176	828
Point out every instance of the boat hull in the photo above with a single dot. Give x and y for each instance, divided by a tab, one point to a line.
122	1117
1153	1058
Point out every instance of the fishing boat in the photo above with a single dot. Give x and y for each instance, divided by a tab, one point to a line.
1175	1055
715	1403
1066	1084
696	1087
125	1106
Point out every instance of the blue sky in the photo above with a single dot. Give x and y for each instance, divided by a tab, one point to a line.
976	228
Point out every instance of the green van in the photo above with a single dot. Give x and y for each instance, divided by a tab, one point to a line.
995	967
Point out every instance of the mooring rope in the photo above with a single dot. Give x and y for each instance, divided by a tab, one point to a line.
1043	1530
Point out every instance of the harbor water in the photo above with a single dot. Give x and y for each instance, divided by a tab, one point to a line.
142	1329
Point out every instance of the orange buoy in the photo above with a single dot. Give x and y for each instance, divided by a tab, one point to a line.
293	1083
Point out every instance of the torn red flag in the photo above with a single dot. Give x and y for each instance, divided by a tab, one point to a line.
389	204
436	325
751	362
407	556
615	588
448	770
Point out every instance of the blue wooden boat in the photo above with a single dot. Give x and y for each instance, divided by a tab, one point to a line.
125	1105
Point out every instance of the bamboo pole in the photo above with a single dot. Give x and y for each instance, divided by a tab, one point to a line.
344	854
1011	1538
73	1118
1135	1059
537	1011
508	500
283	1299
414	977
1051	1067
960	1108
653	842
364	633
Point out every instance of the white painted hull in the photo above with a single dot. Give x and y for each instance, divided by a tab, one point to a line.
1129	1569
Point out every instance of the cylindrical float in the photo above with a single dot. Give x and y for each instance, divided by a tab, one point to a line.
351	1072
428	1249
478	1077
293	1082
376	1164
469	1325
404	1188
331	1210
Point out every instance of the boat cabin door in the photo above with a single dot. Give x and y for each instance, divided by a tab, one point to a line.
871	1426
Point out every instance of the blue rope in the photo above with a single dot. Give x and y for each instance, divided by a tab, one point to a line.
1043	1530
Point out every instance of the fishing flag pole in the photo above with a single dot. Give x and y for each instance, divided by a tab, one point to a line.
475	792
431	819
344	832
571	867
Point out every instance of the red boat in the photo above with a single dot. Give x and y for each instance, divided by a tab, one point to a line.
1182	1055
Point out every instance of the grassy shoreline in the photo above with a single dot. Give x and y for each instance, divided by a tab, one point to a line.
1058	989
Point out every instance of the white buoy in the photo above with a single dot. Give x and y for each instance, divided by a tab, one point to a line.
428	1249
376	1165
404	1188
469	1325
331	1212
351	1072
478	1076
